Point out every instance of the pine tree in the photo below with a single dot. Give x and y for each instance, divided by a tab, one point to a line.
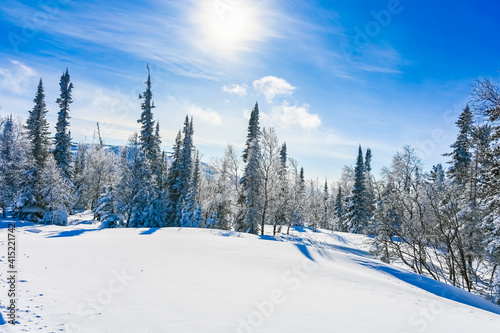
133	190
106	211
368	160
31	203
62	151
326	212
252	181
147	137
38	129
173	192
253	130
461	155
191	202
158	166
358	215
370	184
252	177
340	211
185	170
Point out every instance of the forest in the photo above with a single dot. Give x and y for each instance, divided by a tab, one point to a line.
443	223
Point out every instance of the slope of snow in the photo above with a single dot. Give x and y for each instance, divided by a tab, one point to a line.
82	279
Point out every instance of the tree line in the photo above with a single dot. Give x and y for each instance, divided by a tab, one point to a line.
444	223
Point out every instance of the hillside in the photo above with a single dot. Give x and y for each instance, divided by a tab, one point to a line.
82	279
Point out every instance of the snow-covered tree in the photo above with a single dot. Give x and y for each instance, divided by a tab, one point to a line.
172	189
486	99
298	196
31	204
96	172
252	185
253	130
191	205
283	211
38	128
357	215
269	168
14	153
185	169
133	189
106	210
325	217
149	141
459	171
368	160
252	177
222	196
340	211
62	150
57	193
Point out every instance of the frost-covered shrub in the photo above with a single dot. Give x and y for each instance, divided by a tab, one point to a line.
57	217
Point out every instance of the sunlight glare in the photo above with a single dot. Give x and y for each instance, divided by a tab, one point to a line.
228	29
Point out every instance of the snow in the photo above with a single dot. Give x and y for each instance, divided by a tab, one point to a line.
80	278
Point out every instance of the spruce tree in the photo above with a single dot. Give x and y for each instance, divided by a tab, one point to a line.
358	215
252	177
191	202
252	180
173	192
147	137
368	160
158	162
253	130
370	183
62	151
38	129
185	169
459	171
340	211
326	211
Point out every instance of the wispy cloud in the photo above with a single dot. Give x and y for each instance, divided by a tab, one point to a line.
17	77
189	38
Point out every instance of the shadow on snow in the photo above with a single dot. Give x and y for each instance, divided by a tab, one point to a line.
434	287
150	231
72	233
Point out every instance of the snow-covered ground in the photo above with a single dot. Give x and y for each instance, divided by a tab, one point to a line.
82	279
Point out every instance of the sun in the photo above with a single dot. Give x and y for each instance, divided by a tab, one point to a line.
227	28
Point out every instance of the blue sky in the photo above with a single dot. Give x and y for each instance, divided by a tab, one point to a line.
328	75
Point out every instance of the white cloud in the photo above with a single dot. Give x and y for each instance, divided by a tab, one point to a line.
18	78
271	86
208	116
286	115
236	89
